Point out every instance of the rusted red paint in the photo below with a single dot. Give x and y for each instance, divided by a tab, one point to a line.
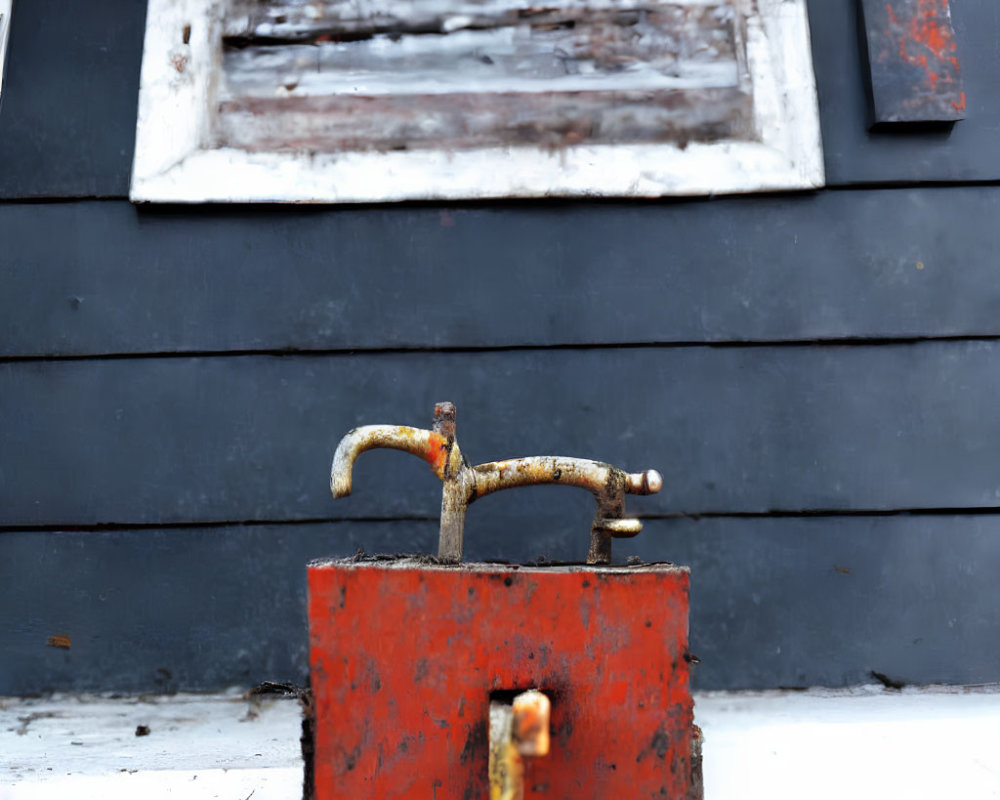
404	656
926	37
914	60
437	453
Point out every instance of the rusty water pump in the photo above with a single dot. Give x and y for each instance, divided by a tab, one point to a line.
449	681
464	484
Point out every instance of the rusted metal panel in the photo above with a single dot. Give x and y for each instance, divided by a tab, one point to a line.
913	56
420	648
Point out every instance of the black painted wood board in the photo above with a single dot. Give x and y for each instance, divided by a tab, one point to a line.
96	278
732	429
775	602
827	601
968	151
68	110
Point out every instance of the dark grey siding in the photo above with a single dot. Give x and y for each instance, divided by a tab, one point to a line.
99	278
815	375
67	114
734	430
775	602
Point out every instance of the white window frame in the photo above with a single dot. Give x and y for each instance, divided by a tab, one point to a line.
173	164
5	6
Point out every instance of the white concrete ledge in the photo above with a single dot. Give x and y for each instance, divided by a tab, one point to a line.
864	744
860	743
197	746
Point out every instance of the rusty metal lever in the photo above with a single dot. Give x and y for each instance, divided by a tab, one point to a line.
464	484
516	730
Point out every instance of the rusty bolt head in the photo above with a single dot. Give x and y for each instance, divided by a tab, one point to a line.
445	419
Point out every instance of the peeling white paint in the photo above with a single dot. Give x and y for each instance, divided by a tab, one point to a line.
5	6
517	62
177	159
290	16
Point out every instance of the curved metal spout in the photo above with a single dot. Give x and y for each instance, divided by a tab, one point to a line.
607	483
604	480
464	484
430	446
437	447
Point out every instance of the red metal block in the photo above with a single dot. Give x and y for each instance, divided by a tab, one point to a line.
405	655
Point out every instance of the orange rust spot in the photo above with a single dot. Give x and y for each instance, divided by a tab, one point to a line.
931	35
437	453
960	105
60	640
924	31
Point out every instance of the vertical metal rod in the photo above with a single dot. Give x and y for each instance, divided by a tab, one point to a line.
600	548
452	527
453	497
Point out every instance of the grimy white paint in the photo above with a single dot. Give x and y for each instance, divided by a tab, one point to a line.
4	31
381	100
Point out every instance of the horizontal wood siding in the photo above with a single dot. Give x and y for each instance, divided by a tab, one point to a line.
789	602
837	265
732	430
